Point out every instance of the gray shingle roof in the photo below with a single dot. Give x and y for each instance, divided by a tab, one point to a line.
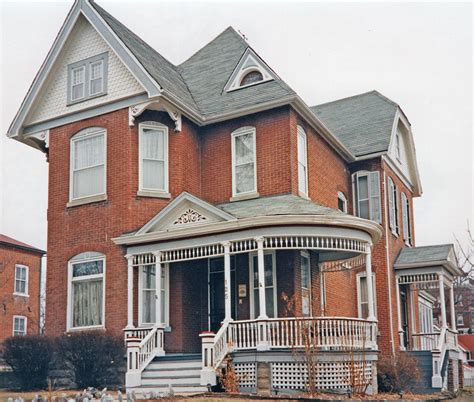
207	72
287	204
363	123
424	254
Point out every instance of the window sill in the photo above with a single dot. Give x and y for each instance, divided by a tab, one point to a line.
21	294
92	328
242	197
87	200
153	194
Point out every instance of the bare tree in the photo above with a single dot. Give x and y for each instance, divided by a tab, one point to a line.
465	261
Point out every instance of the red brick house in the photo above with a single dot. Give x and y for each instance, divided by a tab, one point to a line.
20	273
188	203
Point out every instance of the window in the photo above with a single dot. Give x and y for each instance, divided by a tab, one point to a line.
153	157
251	78
88	155
393	206
305	284
270	285
19	325
87	79
398	146
406	218
86	294
459	319
147	300
21	280
302	162
367	195
362	295
244	167
341	202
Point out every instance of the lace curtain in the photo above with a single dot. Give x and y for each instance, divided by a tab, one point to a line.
153	159
87	303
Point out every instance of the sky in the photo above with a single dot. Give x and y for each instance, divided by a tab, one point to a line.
417	54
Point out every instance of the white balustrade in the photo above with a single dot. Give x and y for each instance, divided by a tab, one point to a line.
425	341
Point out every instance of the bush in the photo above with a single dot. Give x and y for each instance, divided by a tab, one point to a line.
95	358
29	357
398	374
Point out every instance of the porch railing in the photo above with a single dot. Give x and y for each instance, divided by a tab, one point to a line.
425	341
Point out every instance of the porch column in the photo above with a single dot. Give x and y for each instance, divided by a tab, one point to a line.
129	258
453	312
227	284
399	313
261	279
442	301
370	290
158	301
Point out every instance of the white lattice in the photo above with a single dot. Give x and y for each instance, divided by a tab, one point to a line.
329	375
246	375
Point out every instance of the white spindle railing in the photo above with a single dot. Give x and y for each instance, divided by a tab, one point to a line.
139	333
425	341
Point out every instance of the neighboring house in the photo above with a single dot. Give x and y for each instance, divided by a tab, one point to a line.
188	203
20	273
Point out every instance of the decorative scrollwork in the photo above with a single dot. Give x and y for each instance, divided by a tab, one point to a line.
189	216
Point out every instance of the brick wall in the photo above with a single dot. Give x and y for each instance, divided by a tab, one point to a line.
10	304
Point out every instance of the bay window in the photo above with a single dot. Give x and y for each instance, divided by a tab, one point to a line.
86	291
302	162
88	163
367	195
244	166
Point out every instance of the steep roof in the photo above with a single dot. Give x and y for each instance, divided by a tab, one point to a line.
207	72
424	254
363	122
9	241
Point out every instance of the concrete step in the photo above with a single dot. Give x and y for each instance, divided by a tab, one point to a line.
164	382
174	365
143	392
171	373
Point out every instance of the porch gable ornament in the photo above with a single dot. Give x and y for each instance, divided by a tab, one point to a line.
188	217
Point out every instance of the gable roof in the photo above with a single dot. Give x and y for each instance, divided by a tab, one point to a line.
11	242
364	122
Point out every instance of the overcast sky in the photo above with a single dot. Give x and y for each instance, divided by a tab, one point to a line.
417	54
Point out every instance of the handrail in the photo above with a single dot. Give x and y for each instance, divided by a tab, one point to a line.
221	344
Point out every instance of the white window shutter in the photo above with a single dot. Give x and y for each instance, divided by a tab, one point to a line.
404	216
374	191
391	205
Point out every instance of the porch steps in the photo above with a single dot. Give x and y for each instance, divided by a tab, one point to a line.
180	372
425	364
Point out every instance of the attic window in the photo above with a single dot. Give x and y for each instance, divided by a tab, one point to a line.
251	78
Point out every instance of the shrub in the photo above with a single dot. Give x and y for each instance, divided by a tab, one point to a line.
29	357
398	374
94	357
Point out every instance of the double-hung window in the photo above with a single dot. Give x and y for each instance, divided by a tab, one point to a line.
406	218
302	161
87	79
367	195
86	291
88	156
393	206
147	298
19	325
244	161
305	284
21	280
362	295
153	157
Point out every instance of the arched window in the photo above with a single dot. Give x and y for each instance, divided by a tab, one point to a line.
302	161
251	78
88	163
86	292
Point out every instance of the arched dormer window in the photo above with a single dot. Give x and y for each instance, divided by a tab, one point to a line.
86	291
251	77
88	163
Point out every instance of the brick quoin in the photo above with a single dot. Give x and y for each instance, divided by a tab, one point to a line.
200	163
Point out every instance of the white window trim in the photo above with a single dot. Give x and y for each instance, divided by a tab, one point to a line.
152	125
397	146
374	291
26	293
86	133
406	218
305	254
84	83
166	318
26	324
71	262
302	133
237	133
252	288
393	207
342	197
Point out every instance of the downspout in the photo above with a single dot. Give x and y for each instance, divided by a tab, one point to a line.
39	295
387	254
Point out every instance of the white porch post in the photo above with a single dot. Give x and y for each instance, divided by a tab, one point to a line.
453	312
227	284
399	314
442	301
129	258
261	279
158	301
370	290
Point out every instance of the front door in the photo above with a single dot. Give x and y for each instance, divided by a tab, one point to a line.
404	303
216	292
